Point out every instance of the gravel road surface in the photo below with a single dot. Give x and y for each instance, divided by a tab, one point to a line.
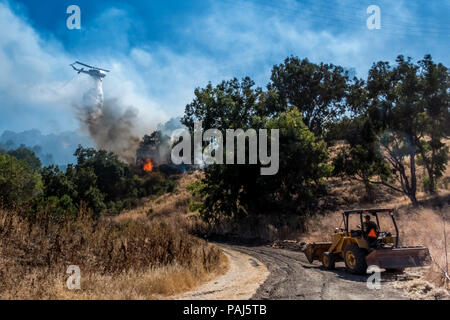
264	272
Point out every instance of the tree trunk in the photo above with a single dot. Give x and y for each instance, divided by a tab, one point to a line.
413	187
431	184
369	190
413	199
428	164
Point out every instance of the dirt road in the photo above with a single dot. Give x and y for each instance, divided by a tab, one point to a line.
245	275
290	277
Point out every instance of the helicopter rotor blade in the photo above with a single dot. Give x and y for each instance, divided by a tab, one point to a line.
95	68
83	64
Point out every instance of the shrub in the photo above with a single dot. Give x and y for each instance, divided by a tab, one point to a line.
18	182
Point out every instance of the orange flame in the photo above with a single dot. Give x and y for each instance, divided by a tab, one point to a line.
148	165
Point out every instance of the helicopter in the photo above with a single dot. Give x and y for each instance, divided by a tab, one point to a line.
94	72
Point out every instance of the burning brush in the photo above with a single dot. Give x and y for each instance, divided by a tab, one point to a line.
148	165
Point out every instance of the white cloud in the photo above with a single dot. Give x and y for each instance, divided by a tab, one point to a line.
29	66
141	57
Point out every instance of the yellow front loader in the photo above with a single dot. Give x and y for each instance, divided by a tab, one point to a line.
358	251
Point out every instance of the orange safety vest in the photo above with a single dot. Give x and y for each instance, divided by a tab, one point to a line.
372	233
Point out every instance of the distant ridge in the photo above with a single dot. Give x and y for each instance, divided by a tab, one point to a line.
53	148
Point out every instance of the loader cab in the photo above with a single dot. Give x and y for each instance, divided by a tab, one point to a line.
384	237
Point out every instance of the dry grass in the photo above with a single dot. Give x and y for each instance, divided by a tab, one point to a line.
175	204
155	283
130	259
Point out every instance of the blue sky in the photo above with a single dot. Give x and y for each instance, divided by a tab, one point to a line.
160	51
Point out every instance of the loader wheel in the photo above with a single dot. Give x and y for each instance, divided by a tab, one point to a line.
355	259
328	260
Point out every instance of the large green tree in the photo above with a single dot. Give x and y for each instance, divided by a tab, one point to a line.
409	103
303	165
317	90
361	158
229	105
435	118
237	191
230	190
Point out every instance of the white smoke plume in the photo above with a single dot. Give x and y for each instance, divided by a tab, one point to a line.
110	125
92	103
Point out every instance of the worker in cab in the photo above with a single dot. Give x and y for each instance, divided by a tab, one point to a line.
370	231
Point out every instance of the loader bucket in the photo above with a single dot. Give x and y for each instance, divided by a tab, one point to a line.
314	251
396	258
